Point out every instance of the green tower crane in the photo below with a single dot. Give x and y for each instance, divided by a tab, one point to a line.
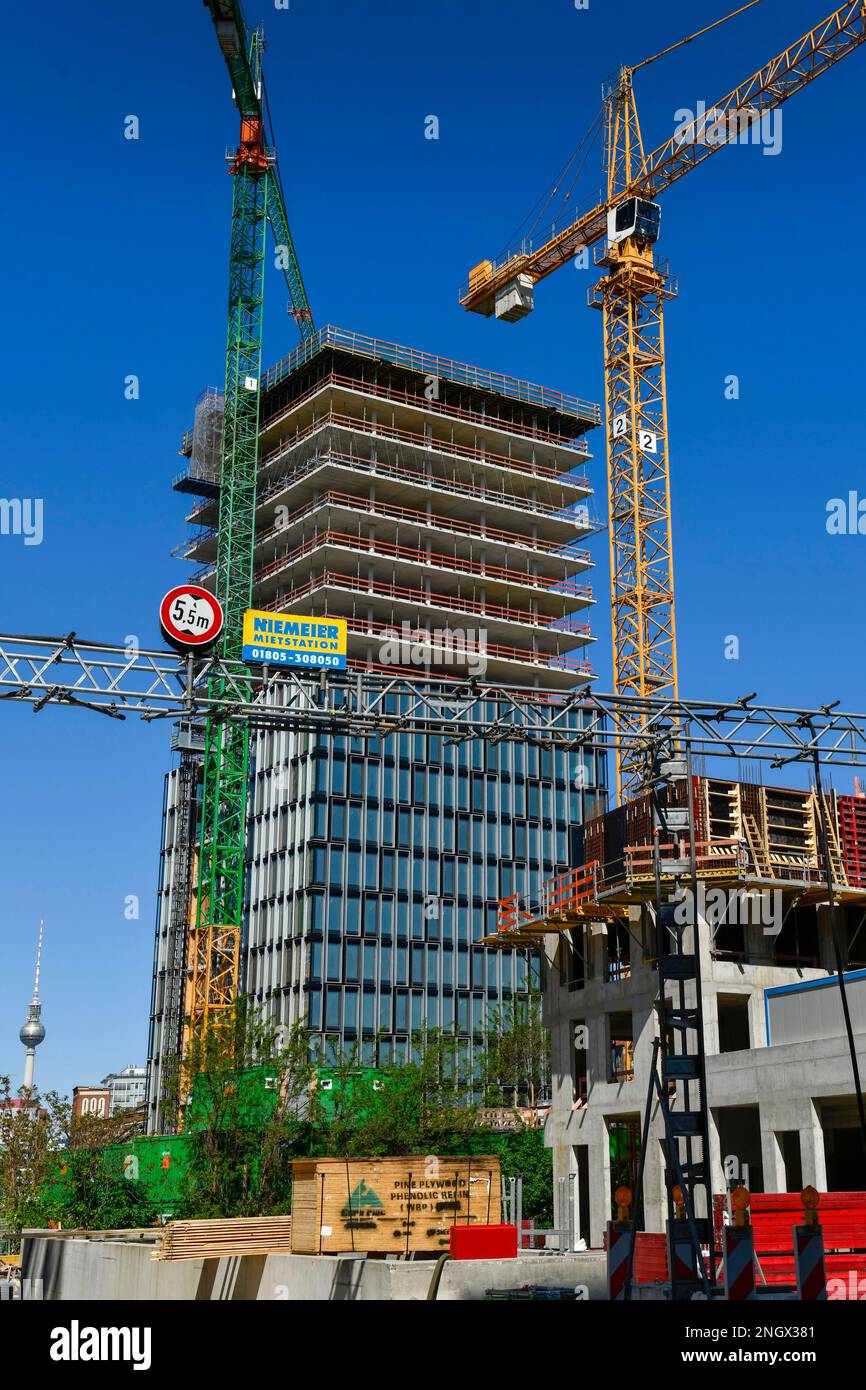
213	950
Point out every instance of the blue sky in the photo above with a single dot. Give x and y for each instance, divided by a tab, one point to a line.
115	255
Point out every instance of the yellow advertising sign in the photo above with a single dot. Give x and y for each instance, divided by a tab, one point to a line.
294	639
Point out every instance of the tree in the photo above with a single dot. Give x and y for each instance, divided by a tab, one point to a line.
516	1065
404	1108
246	1099
32	1127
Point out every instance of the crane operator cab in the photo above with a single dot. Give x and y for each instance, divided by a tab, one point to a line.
635	217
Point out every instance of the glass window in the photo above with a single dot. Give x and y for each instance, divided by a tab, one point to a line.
368	1018
338	777
372	781
388	780
350	1011
352	916
404	829
317	912
447	921
314	1008
356	777
353	961
477	1014
320	820
385	1013
371	869
388	869
418	916
354	821
332	1008
387	916
335	913
417	965
401	974
401	1016
448	966
338	820
316	960
354	867
318	865
384	964
337	865
334	960
419	787
403	785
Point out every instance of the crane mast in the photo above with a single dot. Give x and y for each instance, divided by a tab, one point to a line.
631	297
214	942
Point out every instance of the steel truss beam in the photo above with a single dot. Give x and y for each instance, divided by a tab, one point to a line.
121	682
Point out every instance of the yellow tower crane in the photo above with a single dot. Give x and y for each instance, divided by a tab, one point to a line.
631	296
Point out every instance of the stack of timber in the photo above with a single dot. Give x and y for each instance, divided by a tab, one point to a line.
210	1240
390	1205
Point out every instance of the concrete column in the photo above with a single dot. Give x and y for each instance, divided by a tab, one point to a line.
717	1172
812	1157
771	1155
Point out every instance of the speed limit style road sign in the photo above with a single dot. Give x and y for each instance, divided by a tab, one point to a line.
191	618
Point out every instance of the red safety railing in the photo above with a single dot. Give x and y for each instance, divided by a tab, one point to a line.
418	598
417	555
427	443
408	398
412	477
565	893
389	511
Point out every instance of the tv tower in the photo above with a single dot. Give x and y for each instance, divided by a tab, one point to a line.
33	1031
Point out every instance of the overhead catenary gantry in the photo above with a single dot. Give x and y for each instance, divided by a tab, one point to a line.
122	683
631	295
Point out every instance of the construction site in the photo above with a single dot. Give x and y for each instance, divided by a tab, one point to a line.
405	804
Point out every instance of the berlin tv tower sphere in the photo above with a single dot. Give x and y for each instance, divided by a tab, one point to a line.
32	1033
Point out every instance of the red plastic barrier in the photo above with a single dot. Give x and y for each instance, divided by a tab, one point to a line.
843	1219
650	1258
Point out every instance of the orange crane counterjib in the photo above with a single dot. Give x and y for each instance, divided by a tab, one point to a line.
794	68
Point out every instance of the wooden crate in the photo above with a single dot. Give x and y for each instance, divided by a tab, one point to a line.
390	1205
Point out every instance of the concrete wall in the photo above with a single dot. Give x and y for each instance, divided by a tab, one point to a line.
77	1268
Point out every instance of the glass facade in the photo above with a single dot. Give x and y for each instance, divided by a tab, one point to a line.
376	870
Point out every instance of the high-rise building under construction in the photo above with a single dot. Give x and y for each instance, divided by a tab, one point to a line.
442	511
